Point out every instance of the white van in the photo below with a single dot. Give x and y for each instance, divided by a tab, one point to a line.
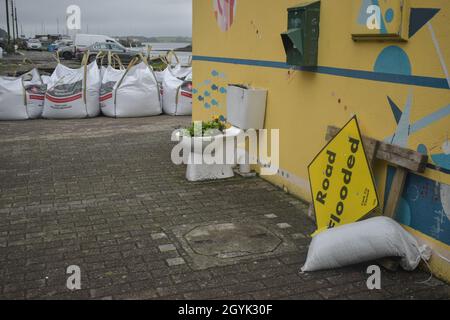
86	40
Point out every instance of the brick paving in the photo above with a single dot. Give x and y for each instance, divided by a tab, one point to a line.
103	194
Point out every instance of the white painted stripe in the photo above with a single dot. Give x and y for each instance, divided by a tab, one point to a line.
439	52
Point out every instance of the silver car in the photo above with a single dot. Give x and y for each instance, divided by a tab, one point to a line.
125	54
34	44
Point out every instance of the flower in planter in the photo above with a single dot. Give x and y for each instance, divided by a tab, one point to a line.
207	129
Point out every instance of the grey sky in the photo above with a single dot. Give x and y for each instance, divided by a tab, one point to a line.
109	17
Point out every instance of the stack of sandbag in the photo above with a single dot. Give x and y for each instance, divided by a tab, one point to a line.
22	98
73	93
129	93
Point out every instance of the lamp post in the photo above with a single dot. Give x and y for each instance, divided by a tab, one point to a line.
7	21
17	26
13	25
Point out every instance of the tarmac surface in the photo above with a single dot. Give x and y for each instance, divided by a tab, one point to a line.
102	194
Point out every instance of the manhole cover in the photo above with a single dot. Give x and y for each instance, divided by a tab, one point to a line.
220	244
230	240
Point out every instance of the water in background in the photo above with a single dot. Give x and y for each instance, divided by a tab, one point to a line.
162	48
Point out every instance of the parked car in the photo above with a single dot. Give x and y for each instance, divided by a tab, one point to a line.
125	54
34	44
67	52
58	44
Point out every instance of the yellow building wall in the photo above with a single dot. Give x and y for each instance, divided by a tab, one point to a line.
243	45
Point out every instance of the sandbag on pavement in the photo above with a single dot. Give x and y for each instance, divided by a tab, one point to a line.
22	98
73	93
177	70
364	241
130	93
177	94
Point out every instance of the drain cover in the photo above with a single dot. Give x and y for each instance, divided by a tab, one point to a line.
219	244
231	240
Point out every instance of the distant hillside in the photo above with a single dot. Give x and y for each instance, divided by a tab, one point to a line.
157	39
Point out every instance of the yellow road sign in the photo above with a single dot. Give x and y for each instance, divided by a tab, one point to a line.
341	180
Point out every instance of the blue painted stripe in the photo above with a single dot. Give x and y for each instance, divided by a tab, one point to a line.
428	120
439	83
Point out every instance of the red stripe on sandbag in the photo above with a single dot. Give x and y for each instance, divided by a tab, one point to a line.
35	97
106	97
64	100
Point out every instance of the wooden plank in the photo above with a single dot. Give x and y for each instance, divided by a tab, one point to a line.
399	156
396	192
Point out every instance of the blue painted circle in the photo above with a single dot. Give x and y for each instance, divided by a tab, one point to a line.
393	59
389	16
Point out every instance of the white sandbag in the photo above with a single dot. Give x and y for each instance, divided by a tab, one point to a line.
160	78
160	75
364	241
21	98
179	71
102	71
46	79
73	93
12	99
35	89
131	93
110	78
177	95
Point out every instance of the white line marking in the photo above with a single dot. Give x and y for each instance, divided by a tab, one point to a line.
438	50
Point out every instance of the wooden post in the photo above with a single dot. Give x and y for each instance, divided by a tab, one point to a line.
395	194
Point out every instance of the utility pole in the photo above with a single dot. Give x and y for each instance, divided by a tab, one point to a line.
7	21
17	26
13	25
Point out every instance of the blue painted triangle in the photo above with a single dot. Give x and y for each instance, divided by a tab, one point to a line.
395	110
419	17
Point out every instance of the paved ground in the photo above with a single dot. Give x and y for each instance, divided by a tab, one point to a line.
102	194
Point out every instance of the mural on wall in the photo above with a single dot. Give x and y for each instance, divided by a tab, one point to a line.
425	204
211	93
386	17
224	12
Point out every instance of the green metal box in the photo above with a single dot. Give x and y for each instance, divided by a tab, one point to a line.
301	41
